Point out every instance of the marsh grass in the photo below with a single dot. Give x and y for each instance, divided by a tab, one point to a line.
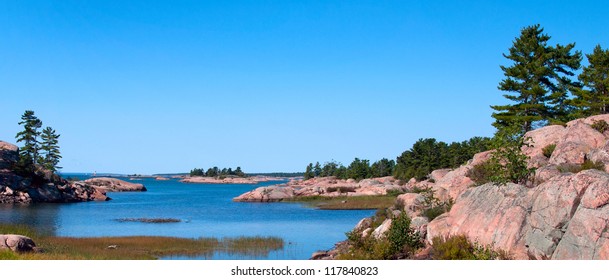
136	247
150	220
348	202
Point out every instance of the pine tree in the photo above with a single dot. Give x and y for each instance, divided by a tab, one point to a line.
317	169
539	77
309	172
593	99
50	149
28	153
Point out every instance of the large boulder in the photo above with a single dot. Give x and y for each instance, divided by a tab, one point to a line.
413	203
565	217
586	235
17	243
488	214
541	138
266	194
382	230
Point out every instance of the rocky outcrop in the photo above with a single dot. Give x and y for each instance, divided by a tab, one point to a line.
17	243
227	180
114	185
266	194
324	186
41	186
563	218
564	214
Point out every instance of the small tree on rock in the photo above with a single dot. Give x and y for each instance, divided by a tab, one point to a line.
50	150
28	153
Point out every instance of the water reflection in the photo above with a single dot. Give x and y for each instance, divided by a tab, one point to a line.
43	217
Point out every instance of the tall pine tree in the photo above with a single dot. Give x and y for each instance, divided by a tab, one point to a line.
50	149
539	79
28	153
593	98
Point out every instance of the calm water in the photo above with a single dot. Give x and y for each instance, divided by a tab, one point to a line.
206	210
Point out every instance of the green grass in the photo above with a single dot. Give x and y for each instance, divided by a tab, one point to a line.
347	202
150	220
135	247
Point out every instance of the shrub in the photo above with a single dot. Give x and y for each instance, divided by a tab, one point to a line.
420	189
569	167
394	192
576	168
480	173
433	206
460	248
403	239
508	163
399	242
548	150
600	126
588	164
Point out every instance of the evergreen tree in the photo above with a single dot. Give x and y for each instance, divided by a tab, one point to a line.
426	155
317	169
359	169
309	172
539	77
28	153
329	169
50	149
197	172
239	172
593	99
382	168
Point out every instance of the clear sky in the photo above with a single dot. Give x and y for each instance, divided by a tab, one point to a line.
153	87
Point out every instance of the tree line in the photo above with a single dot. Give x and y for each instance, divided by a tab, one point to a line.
40	147
425	156
358	169
217	172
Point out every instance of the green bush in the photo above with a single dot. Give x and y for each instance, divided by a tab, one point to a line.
548	150
600	126
400	241
576	168
508	163
433	206
403	239
394	192
480	173
588	164
460	248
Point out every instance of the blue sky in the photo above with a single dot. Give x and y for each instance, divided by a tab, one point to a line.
152	87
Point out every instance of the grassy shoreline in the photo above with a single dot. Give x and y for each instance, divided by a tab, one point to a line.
367	202
134	247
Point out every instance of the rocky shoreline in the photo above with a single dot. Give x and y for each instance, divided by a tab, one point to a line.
44	186
562	214
324	187
114	185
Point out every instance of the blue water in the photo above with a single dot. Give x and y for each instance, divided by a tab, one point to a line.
206	210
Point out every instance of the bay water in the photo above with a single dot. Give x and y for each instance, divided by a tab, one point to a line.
204	210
